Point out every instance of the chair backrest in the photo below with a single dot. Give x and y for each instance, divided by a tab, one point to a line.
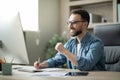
110	35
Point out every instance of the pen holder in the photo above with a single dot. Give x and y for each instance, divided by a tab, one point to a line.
7	69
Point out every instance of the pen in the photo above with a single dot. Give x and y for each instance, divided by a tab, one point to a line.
39	60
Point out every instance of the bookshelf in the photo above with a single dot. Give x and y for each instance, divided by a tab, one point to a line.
107	9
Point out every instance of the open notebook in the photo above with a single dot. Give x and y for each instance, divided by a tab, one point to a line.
32	69
26	68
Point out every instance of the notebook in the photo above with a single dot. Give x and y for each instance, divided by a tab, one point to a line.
30	70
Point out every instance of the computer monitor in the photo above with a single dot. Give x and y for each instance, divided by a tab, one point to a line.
13	43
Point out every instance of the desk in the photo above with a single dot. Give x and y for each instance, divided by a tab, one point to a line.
93	75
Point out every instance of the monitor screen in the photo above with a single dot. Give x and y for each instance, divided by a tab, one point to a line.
13	43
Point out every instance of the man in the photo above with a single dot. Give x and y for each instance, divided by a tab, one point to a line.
83	51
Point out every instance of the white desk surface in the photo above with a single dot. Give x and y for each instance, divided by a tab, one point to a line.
93	75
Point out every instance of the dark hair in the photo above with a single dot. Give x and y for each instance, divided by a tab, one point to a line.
83	13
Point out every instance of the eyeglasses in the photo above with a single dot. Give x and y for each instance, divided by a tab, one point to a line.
73	22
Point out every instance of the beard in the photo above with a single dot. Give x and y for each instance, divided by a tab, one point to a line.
75	33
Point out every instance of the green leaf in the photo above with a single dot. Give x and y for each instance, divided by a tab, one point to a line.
50	46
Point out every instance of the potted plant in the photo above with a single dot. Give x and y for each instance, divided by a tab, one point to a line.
50	46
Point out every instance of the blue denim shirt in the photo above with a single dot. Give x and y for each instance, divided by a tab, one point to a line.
91	56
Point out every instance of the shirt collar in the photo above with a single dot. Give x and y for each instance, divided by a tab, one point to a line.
85	38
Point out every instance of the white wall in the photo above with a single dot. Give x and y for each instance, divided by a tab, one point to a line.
64	15
48	20
48	25
118	12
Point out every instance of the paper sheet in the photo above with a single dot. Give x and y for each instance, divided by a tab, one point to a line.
52	69
53	74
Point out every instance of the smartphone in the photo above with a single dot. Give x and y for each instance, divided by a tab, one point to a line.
81	73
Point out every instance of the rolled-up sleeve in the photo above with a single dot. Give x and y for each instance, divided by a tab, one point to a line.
92	56
58	60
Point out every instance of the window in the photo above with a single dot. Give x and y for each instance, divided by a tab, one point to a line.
28	10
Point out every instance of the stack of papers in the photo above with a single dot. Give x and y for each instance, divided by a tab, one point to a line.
52	69
53	74
40	70
30	70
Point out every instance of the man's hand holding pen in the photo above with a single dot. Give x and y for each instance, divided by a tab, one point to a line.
59	47
38	64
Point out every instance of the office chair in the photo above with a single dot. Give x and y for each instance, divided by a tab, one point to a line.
110	35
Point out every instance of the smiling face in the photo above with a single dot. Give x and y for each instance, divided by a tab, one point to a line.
76	25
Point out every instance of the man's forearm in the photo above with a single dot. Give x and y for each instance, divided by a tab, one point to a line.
70	56
44	65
